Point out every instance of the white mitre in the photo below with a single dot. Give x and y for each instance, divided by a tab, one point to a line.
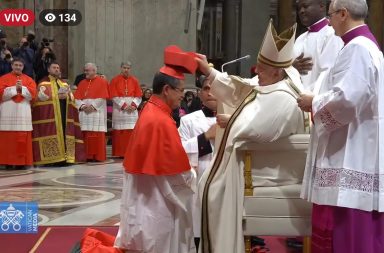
277	50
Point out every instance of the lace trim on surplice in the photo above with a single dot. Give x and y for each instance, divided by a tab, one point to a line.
326	118
348	179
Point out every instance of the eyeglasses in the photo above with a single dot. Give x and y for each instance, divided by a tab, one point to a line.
332	13
178	89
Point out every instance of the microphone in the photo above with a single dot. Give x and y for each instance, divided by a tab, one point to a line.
235	60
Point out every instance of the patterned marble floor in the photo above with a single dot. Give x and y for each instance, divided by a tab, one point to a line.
78	195
86	194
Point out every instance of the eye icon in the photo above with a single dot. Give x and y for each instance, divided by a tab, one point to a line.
50	17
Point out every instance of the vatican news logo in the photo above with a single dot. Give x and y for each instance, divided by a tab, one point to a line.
18	217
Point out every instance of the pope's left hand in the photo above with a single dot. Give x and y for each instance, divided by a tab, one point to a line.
222	120
305	102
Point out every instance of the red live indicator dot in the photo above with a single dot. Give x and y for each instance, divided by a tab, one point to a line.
16	17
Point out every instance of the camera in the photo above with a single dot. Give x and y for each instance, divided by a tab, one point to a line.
46	42
50	55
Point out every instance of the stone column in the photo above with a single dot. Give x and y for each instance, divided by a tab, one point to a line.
230	34
376	19
286	18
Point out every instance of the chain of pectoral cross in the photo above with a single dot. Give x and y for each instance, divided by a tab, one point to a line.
86	91
126	88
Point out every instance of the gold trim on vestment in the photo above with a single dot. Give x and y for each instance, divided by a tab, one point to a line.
284	64
41	239
205	238
55	148
39	103
43	121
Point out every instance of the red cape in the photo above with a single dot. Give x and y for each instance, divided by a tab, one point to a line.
92	88
117	87
95	241
155	146
10	79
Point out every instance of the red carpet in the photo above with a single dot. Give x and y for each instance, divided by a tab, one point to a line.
62	239
278	245
59	239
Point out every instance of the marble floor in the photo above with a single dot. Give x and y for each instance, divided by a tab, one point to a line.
84	194
78	195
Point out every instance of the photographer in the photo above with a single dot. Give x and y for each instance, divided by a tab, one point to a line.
5	55
31	40
43	59
27	54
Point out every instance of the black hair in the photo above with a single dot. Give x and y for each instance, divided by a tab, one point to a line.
200	81
15	59
52	62
160	80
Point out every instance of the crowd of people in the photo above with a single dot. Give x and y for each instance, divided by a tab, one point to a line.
69	124
183	185
36	57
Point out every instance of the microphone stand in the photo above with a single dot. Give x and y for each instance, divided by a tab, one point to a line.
235	60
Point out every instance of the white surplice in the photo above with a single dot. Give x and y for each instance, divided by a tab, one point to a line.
345	166
15	116
271	115
122	119
323	47
191	126
155	214
95	121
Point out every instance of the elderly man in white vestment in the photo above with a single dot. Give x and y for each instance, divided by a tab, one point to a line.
316	49
345	169
264	112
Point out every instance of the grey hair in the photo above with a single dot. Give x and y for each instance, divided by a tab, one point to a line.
126	63
90	64
358	9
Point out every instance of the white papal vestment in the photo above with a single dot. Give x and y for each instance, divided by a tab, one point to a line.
263	114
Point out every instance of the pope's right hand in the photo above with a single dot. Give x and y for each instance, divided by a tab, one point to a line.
203	64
